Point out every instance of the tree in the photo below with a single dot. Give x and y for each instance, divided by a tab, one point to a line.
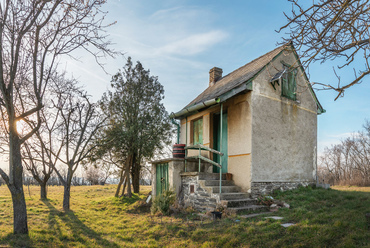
33	35
78	121
37	151
37	163
100	170
348	162
332	29
138	123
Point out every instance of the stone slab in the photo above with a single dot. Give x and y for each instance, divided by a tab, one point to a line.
274	217
287	224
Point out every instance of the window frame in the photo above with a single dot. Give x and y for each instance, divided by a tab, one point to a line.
289	83
195	124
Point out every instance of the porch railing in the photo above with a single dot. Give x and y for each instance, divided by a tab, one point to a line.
201	147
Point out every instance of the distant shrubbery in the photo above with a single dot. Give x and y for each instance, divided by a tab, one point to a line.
347	163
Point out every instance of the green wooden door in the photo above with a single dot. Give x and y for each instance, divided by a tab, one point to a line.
217	141
162	178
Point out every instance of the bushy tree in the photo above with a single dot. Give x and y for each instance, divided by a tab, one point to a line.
138	123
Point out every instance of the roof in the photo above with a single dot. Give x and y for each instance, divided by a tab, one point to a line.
238	81
237	77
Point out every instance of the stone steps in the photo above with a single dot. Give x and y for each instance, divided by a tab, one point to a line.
234	196
210	176
224	189
236	200
217	183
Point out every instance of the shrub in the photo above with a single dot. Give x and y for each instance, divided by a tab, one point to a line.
163	202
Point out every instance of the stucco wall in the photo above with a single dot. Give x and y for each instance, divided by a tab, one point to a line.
284	134
239	136
239	140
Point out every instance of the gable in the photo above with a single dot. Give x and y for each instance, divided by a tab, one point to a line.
238	81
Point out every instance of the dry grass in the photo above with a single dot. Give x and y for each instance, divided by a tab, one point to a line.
324	218
351	188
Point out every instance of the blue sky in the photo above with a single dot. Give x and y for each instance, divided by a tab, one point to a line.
180	41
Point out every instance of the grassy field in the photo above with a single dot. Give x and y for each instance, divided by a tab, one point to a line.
323	218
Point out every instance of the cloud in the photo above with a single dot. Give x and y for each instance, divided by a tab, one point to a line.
193	44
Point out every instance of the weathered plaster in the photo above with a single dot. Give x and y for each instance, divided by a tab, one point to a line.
284	131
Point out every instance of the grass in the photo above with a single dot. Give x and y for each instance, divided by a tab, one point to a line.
323	218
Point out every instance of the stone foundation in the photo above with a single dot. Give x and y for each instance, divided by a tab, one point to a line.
265	188
193	195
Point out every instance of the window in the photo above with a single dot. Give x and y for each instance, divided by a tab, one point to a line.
198	131
288	83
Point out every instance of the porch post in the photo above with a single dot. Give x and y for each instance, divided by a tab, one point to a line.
186	140
221	147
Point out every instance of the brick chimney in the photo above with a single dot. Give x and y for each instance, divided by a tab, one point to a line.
214	75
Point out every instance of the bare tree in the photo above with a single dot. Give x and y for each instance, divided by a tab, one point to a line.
325	30
113	156
94	175
36	152
33	34
348	162
78	122
37	163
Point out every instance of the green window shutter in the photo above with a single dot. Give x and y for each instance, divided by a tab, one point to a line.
285	85
289	84
198	131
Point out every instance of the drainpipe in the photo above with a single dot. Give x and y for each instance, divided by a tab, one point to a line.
178	129
221	149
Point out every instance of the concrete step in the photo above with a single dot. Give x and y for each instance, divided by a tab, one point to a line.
210	176
249	209
225	189
217	183
234	196
241	202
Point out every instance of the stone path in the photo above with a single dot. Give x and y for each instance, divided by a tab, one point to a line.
275	217
269	217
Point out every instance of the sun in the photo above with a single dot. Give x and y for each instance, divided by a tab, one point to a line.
21	126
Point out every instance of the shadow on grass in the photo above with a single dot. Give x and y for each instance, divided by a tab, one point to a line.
16	240
79	229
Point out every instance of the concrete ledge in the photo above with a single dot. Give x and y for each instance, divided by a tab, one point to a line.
189	174
164	160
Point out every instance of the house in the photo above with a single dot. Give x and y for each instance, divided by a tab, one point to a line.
262	117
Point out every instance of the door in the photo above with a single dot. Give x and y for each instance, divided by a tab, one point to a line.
162	178
217	141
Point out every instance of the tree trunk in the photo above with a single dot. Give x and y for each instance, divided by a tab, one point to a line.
120	183
136	177
19	212
127	172
66	197
16	185
43	191
67	191
124	186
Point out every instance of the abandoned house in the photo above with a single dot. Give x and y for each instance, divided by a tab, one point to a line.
249	133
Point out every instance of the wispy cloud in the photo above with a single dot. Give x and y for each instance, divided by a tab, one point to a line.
193	44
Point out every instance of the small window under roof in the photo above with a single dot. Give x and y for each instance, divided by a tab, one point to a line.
277	75
275	79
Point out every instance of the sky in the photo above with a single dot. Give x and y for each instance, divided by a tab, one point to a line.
181	40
